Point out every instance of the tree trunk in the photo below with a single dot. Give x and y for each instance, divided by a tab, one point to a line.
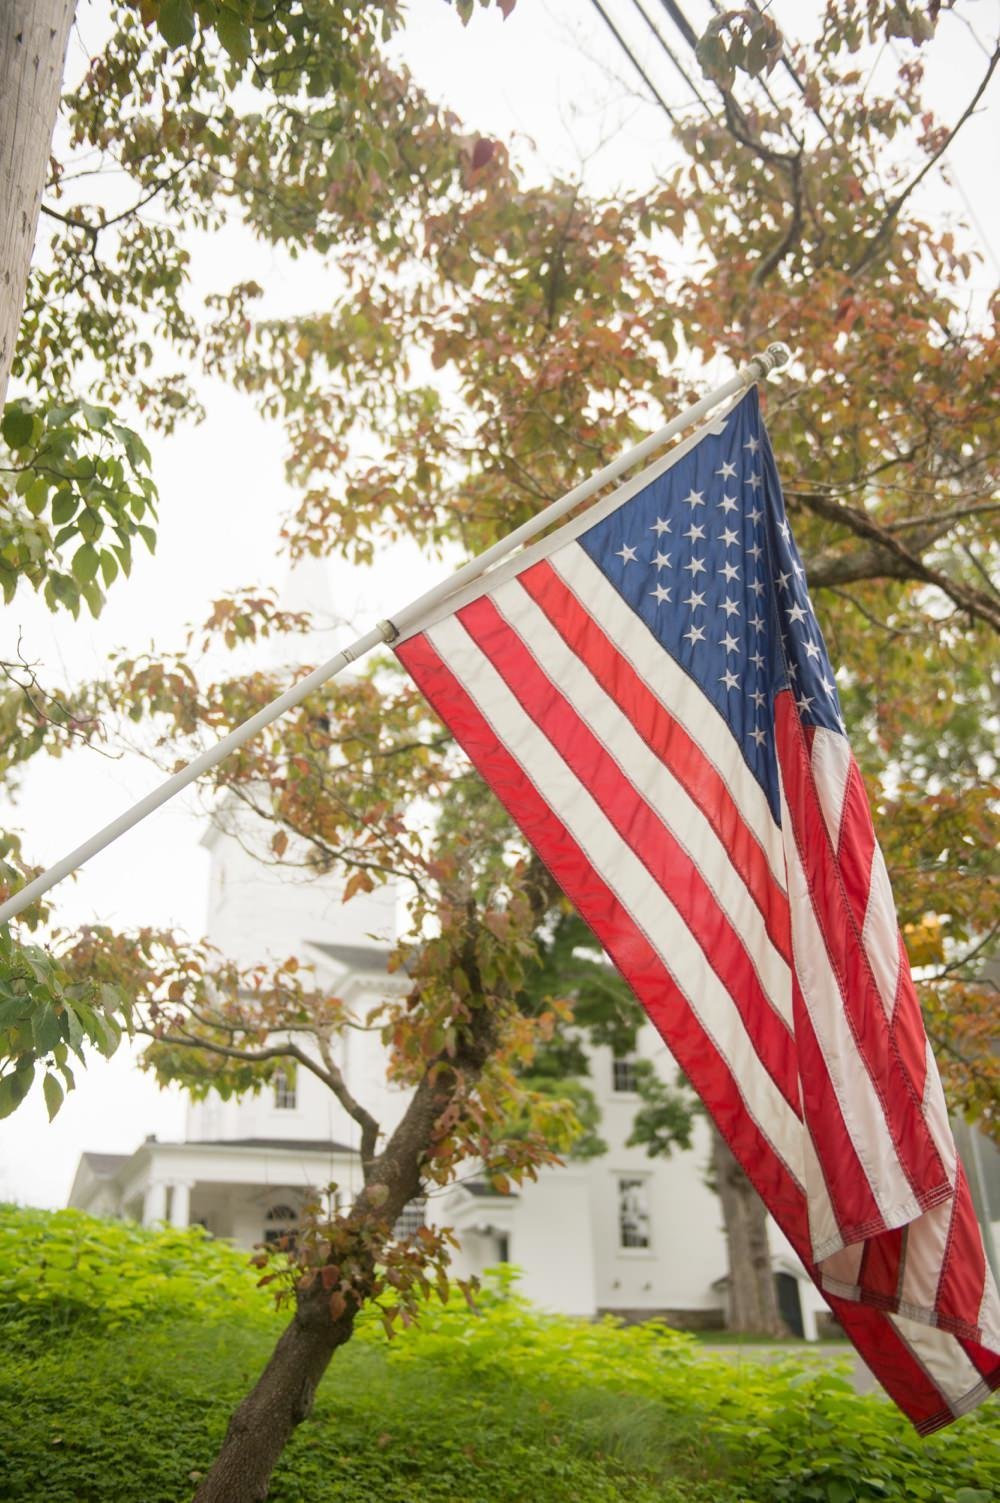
283	1395
753	1299
33	39
280	1400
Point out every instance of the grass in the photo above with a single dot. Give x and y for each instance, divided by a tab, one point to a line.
134	1419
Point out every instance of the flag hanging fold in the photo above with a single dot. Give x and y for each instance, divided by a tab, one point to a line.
648	693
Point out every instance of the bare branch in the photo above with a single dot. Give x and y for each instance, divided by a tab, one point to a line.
93	230
899	561
369	1127
892	212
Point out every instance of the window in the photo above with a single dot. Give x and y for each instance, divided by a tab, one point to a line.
633	1213
283	1081
624	1077
281	1221
411	1219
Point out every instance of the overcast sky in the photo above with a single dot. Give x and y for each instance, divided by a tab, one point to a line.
553	77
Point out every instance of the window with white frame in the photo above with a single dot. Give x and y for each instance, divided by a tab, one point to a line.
283	1081
410	1220
624	1078
280	1223
634	1229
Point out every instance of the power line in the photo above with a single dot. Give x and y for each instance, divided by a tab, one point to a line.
634	61
673	57
682	23
793	73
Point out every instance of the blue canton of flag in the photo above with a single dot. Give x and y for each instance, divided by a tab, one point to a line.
705	556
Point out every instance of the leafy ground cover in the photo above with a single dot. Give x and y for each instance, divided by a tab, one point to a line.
124	1351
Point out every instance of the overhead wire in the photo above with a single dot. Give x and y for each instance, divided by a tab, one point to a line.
792	72
635	61
687	31
673	56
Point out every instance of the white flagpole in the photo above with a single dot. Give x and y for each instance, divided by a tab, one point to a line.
775	356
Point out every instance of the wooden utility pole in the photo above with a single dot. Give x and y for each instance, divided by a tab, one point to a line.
33	39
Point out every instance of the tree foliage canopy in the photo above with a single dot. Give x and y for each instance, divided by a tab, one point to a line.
490	339
490	336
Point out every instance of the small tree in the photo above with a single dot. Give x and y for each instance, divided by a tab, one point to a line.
555	321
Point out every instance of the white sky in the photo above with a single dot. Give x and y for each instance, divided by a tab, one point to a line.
552	76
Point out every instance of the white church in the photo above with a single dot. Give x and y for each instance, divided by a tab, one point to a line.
622	1233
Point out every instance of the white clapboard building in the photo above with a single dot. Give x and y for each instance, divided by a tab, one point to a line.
622	1233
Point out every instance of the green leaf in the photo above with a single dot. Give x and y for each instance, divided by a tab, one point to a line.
234	36
176	22
53	1092
17	427
63	507
36	496
109	566
14	1088
47	1028
86	562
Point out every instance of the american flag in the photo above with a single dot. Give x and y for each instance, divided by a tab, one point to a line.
648	693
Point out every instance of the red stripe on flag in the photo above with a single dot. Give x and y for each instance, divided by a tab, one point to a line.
985	1362
855	853
963	1268
642	829
878	1275
908	1024
901	1107
628	947
667	738
856	846
851	1199
894	1365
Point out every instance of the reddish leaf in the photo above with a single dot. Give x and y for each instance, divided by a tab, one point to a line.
482	153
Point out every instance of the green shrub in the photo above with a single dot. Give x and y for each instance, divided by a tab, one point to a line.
62	1269
126	1402
778	1433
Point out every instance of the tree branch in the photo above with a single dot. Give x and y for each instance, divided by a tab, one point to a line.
775	257
892	212
178	1035
900	561
93	230
369	1127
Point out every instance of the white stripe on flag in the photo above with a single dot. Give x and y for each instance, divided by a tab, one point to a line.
943	1359
655	783
859	1102
824	1230
880	935
676	691
935	1112
926	1245
831	765
989	1312
624	873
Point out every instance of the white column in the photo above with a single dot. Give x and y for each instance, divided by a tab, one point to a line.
809	1328
154	1202
180	1203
